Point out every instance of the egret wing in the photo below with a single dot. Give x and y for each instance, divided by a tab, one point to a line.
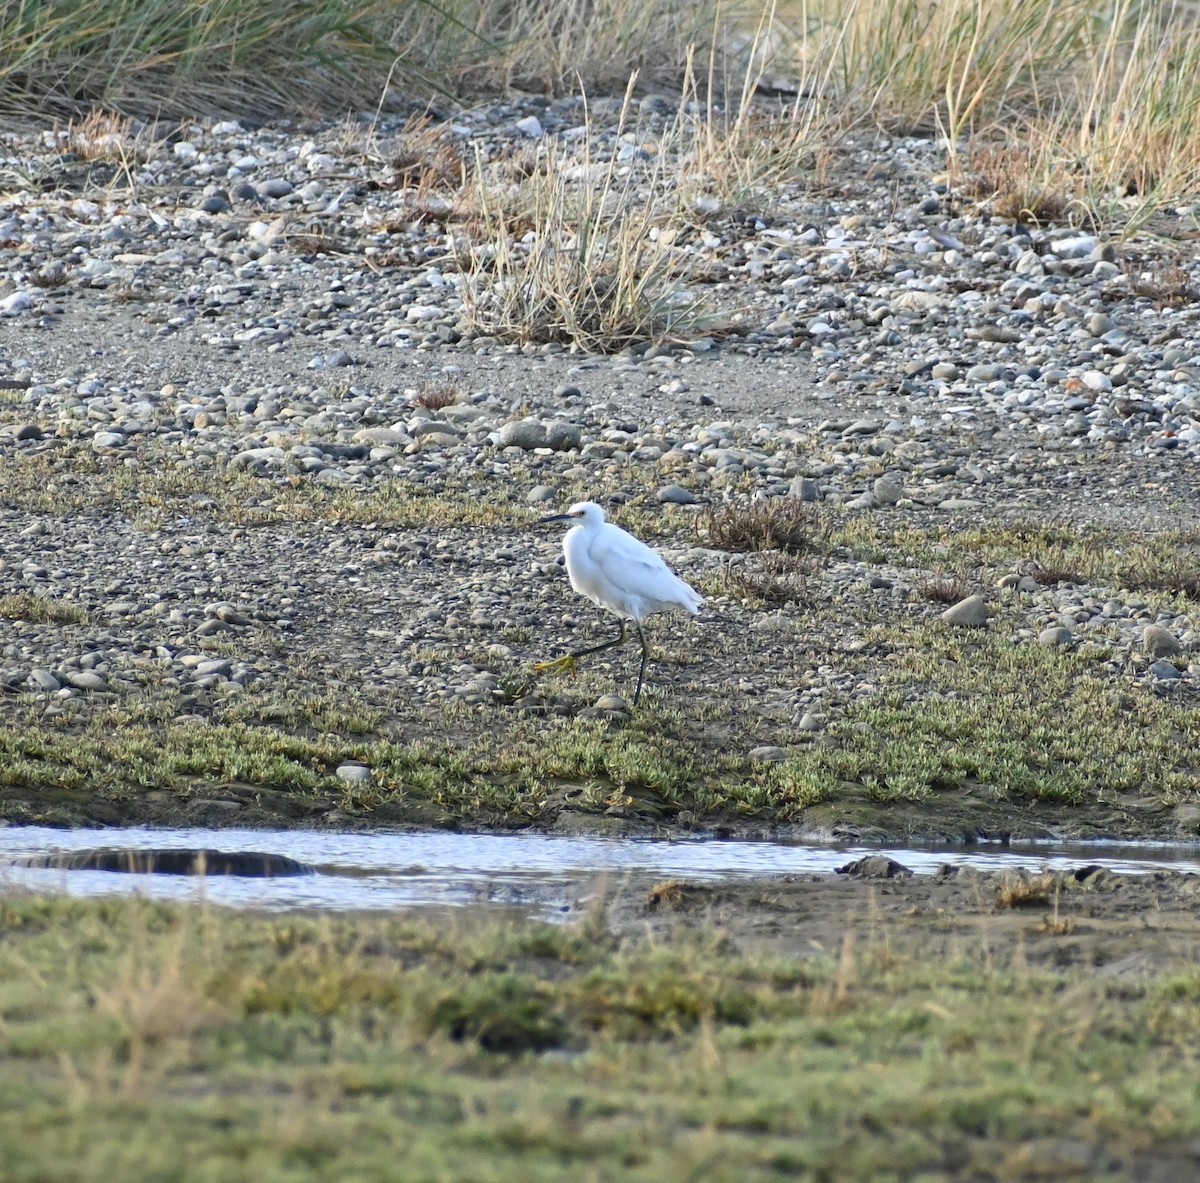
639	573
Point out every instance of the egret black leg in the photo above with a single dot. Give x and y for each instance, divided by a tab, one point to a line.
604	645
645	658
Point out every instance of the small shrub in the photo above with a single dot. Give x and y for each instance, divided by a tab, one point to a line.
437	396
774	523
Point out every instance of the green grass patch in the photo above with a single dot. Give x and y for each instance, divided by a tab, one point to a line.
40	609
162	1042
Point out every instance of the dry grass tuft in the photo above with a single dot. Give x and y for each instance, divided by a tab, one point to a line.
771	577
1015	182
101	135
1022	889
670	893
947	587
584	253
436	396
773	523
1170	287
1051	569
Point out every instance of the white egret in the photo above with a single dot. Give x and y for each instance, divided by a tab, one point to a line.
620	573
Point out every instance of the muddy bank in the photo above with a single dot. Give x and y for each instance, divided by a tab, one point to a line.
949	820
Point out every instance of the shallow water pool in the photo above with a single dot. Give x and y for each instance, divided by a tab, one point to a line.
548	874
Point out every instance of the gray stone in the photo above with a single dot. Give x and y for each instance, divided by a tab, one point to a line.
1060	635
1164	670
610	702
563	437
1158	642
87	680
888	490
433	427
274	187
108	439
523	433
354	773
44	680
985	372
540	494
767	754
804	488
811	722
675	495
863	427
218	665
969	613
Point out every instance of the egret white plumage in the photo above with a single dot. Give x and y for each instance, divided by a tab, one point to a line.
620	573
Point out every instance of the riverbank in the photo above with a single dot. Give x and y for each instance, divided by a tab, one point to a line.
276	451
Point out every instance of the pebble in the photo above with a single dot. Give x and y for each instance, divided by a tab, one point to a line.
1164	670
969	613
804	488
87	680
611	703
675	495
887	490
767	754
526	434
353	773
44	680
1057	636
1158	642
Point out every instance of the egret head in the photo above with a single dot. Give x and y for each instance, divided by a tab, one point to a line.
583	513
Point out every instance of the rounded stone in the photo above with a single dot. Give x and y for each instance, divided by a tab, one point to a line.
1158	642
888	490
523	433
611	702
969	613
563	437
804	488
354	773
675	495
1164	670
1059	635
767	754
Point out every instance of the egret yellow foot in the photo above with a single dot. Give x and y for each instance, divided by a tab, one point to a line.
557	665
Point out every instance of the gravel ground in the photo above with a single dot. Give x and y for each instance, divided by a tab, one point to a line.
221	363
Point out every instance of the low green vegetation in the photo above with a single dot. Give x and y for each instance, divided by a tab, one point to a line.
40	609
955	712
147	1042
